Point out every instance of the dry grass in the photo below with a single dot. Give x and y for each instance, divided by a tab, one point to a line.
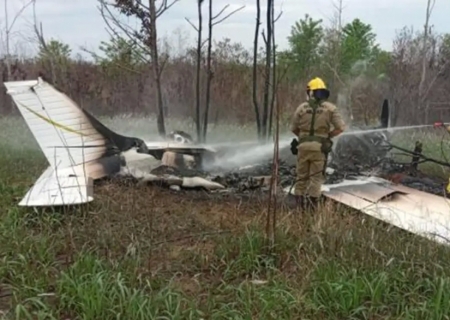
147	253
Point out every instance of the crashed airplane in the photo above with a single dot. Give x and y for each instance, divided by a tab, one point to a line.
80	149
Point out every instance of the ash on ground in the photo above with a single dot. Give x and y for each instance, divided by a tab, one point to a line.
258	176
245	180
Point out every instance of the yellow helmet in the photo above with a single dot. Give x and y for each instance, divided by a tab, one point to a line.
316	84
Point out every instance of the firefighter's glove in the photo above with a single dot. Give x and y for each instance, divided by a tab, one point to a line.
327	146
294	145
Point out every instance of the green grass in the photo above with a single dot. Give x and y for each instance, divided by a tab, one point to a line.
142	253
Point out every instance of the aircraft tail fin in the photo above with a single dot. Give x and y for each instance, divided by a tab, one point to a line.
77	146
62	130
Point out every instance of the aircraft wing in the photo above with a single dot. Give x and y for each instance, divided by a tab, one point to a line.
67	186
157	149
412	210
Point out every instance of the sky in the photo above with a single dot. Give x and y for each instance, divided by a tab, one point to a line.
79	22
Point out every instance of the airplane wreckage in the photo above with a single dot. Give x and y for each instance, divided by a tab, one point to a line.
80	149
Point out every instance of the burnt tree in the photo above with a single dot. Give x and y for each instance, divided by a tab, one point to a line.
255	69
199	29
264	123
268	43
212	21
276	77
146	38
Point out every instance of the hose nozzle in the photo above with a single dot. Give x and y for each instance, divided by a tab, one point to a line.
441	124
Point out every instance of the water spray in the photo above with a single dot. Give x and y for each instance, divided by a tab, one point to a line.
240	154
390	130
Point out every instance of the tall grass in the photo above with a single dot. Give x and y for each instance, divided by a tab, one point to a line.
146	253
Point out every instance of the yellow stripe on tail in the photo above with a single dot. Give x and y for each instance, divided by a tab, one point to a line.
56	124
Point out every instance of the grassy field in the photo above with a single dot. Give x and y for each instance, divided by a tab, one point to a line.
147	253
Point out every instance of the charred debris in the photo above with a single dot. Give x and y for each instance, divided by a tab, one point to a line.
353	156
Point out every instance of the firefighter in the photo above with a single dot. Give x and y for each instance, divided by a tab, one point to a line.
315	123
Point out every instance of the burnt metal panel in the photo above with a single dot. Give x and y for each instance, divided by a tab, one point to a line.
371	191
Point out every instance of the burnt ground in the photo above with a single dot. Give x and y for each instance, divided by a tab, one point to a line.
252	181
353	155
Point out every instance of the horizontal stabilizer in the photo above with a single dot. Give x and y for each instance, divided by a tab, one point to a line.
60	187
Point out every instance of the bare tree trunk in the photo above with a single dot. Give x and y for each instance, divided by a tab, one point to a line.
209	73
274	74
430	5
337	58
212	21
267	69
156	68
199	60
255	69
8	52
146	39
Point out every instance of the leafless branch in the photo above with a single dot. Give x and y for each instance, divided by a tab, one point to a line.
147	41
228	15
336	20
9	28
38	31
192	25
164	7
278	17
432	6
220	12
264	37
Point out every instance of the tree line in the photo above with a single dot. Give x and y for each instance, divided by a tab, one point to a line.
137	72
